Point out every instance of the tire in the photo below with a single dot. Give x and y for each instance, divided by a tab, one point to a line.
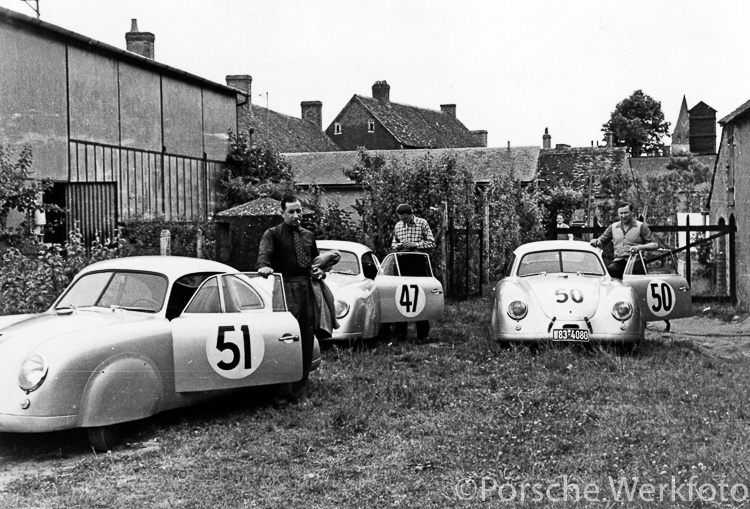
102	438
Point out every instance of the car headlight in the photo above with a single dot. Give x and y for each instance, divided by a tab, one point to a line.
342	308
517	309
622	310
33	372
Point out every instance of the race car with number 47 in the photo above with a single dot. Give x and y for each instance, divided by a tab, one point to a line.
132	337
369	294
560	291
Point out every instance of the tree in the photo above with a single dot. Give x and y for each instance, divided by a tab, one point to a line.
638	124
254	171
17	189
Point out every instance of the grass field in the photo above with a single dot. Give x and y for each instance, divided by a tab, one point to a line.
458	422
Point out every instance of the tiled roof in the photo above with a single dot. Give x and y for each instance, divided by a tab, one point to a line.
258	207
643	166
326	168
286	134
419	127
736	113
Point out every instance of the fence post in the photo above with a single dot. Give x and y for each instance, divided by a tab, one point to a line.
444	247
485	277
199	244
688	242
732	261
165	242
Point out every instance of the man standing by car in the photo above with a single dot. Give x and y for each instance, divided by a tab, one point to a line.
412	233
629	236
290	249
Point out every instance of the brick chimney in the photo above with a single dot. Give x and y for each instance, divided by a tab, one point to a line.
313	111
481	137
546	139
140	42
242	82
450	109
381	91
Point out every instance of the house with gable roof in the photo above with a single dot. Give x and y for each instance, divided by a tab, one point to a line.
376	123
283	132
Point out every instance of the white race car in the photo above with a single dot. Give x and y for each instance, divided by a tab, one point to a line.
560	291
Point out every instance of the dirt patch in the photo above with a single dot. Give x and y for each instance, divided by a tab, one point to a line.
717	338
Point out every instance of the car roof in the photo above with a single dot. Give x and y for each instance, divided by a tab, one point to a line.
344	245
550	245
173	267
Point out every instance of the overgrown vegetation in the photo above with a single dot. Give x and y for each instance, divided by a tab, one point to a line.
34	275
424	426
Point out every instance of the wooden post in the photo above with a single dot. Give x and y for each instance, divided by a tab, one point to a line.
199	244
732	261
688	241
444	247
485	243
165	241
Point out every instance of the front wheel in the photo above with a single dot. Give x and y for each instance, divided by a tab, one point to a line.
102	438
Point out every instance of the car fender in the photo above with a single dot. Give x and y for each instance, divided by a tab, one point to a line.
124	387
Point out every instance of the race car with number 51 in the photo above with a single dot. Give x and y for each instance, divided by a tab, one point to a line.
132	337
559	290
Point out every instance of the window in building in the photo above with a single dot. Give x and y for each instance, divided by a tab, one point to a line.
336	128
370	126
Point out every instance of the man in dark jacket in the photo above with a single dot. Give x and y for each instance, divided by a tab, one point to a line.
290	249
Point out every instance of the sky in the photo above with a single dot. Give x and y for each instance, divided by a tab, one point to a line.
513	68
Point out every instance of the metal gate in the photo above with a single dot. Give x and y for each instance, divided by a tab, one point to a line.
718	277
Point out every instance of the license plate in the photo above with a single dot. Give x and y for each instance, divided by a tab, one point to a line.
570	335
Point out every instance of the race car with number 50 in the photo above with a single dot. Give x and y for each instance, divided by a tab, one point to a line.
560	291
132	337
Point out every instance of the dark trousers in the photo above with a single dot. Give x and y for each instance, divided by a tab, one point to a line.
401	329
616	269
300	301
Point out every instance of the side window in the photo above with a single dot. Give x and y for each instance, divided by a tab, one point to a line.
509	267
389	267
369	266
239	296
206	299
182	290
414	265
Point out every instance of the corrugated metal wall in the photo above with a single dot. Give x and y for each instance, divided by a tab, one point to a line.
92	206
147	184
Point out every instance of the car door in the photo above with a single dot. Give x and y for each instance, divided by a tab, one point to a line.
663	293
407	290
236	332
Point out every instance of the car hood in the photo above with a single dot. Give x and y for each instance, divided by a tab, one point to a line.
565	295
32	332
337	282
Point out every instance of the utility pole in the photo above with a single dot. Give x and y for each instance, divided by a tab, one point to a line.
35	9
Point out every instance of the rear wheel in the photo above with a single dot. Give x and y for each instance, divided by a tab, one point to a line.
102	438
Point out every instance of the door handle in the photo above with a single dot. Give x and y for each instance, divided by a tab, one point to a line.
684	288
289	338
437	291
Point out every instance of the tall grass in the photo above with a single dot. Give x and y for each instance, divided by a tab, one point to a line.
407	425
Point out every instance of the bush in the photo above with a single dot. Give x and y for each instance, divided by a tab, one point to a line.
31	281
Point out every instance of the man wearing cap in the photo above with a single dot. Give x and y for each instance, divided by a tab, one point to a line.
412	233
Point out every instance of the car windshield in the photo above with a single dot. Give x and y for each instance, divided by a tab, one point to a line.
138	291
348	264
565	261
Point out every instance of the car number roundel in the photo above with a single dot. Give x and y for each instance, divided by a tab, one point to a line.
660	297
409	299
234	353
